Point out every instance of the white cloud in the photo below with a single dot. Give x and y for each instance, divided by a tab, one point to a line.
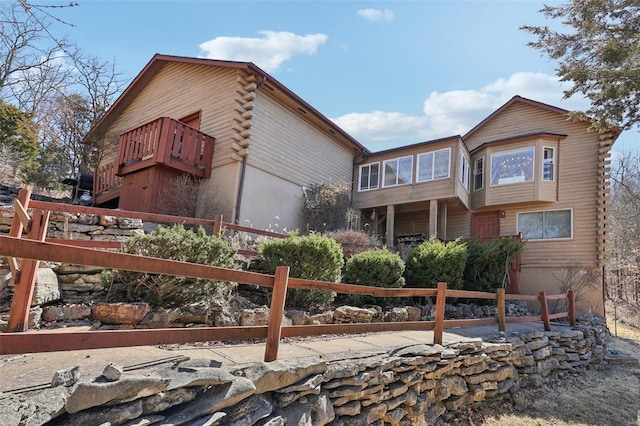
452	113
376	15
268	52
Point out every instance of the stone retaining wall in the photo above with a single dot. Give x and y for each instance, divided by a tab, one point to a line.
77	284
413	385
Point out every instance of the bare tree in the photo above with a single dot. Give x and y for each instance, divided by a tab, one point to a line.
26	42
64	90
623	272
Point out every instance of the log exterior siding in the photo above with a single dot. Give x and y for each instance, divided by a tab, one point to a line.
577	178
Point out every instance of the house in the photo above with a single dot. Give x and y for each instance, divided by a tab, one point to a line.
525	171
248	139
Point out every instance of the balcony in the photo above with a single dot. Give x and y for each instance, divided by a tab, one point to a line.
168	142
165	142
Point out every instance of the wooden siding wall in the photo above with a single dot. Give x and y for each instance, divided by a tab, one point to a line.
180	89
284	144
415	192
578	176
458	223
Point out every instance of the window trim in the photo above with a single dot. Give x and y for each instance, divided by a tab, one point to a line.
397	160
433	170
554	150
481	174
369	187
533	165
465	172
569	209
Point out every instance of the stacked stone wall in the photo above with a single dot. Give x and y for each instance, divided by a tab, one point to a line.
76	284
413	385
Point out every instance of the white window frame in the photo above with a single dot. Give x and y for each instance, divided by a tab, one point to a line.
433	164
516	150
370	186
553	164
397	161
465	172
544	212
476	174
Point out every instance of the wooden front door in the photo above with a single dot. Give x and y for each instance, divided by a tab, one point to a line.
485	225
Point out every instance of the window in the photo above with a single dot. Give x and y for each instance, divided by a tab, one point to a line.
465	171
478	178
398	171
513	166
434	165
546	225
369	176
548	164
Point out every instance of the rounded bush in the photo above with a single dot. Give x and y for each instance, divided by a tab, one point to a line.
312	257
435	261
378	267
174	243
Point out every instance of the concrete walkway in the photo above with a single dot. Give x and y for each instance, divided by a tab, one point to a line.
18	371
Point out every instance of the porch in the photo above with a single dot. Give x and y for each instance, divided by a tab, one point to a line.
163	142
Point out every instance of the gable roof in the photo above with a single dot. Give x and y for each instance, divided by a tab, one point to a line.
512	101
158	61
520	99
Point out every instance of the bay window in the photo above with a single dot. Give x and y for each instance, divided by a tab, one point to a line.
513	166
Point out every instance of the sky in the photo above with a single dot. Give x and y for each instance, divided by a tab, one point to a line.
390	73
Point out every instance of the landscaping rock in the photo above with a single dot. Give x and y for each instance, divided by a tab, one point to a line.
120	313
87	395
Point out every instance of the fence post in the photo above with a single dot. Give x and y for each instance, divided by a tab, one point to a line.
217	225
24	196
544	309
572	307
278	298
501	310
25	285
441	300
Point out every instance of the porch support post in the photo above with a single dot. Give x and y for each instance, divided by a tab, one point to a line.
433	218
443	220
391	212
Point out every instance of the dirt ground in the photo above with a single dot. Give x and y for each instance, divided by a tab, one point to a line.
610	396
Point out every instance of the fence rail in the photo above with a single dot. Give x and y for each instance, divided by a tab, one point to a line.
35	248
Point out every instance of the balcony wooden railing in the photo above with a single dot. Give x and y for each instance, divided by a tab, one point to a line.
106	185
169	142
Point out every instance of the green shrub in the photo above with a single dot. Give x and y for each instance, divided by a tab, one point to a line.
488	264
379	268
376	268
435	261
174	243
352	241
311	257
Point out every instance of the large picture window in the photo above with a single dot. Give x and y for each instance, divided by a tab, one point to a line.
398	171
545	225
434	165
512	166
369	176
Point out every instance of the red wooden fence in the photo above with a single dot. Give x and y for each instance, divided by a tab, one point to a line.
34	248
